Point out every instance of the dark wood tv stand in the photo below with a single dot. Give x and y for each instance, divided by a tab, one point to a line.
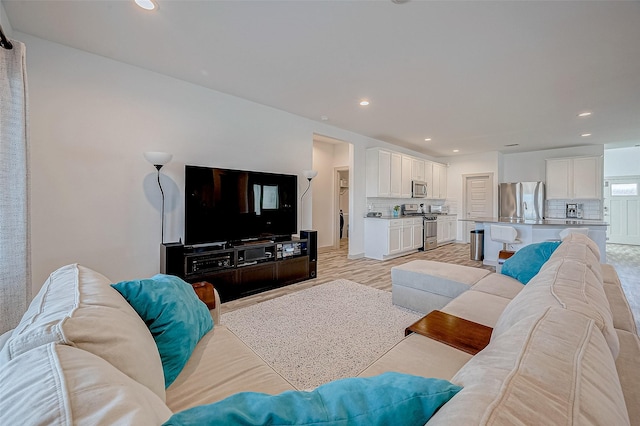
241	269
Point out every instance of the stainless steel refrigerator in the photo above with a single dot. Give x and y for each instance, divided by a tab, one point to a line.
521	200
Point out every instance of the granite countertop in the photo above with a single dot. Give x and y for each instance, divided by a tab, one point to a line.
553	222
411	216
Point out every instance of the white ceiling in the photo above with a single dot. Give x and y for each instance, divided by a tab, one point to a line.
473	76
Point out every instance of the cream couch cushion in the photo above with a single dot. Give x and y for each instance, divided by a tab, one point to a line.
622	314
620	309
63	385
77	306
609	274
221	365
581	239
627	365
568	284
499	285
477	306
552	368
420	356
582	252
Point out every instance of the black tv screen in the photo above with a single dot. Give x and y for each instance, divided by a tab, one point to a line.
223	205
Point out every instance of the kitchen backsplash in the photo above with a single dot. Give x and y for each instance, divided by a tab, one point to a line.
385	205
557	209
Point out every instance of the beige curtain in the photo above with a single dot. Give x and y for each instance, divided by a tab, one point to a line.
15	268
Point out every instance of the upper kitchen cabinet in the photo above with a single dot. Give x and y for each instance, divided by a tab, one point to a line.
438	182
405	181
428	176
574	178
378	173
388	174
417	170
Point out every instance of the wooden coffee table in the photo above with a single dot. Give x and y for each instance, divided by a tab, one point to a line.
462	334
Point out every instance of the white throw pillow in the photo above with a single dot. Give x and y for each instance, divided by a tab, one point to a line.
63	385
77	306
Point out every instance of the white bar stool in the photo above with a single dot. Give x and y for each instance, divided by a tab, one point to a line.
505	235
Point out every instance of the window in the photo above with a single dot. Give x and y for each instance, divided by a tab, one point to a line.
624	189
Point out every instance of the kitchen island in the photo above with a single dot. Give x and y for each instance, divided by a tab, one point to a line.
534	231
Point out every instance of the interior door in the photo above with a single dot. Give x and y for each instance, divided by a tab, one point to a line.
478	200
622	210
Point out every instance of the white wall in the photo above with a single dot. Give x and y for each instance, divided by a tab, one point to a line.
4	21
459	166
95	199
622	162
531	166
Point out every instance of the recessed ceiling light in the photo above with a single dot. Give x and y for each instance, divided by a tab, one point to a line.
324	118
427	139
364	103
584	135
584	114
456	150
146	4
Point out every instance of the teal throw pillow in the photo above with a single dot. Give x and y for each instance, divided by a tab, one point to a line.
527	261
176	318
387	399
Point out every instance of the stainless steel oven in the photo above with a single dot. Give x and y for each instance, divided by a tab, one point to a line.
430	232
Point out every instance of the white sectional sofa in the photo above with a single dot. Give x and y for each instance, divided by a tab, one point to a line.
564	350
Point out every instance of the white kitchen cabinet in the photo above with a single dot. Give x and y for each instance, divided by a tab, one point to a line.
389	174
395	237
385	177
417	169
417	230
439	182
558	179
405	180
440	227
378	173
396	175
407	234
587	178
428	177
447	228
389	238
574	178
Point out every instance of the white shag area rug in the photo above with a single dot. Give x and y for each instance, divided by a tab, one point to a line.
323	333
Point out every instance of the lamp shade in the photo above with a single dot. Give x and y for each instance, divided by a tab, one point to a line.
310	174
158	158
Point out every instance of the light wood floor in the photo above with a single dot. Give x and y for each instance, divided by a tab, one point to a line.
333	265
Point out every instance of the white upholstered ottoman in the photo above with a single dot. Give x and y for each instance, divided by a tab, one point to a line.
424	285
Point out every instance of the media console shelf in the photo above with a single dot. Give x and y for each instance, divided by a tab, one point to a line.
243	269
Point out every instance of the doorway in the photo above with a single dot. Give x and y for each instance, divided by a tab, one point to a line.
332	191
622	209
478	200
341	218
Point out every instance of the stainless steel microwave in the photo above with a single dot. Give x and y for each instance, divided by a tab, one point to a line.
418	189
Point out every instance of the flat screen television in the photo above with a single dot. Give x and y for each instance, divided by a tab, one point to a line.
223	205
